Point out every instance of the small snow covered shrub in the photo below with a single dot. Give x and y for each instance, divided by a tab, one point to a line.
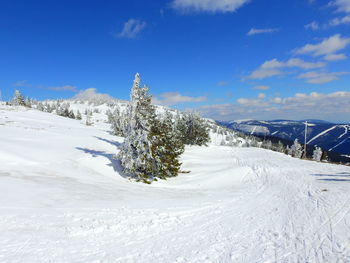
296	150
78	115
117	119
317	154
18	99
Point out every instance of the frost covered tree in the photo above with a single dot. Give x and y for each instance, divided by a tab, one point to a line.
135	155
193	129
18	99
280	147
152	144
78	115
71	114
266	144
88	121
40	107
317	154
166	146
117	120
28	102
296	150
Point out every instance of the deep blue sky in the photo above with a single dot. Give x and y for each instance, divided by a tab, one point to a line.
192	53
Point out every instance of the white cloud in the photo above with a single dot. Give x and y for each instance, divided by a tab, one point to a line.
208	6
313	26
273	67
341	5
335	57
293	62
254	102
64	88
320	77
132	28
339	21
255	31
332	106
91	95
299	63
174	98
327	46
261	87
262	73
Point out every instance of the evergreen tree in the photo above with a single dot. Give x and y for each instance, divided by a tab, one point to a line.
65	111
18	99
40	106
193	129
296	150
71	114
317	154
280	147
78	116
28	102
166	146
135	155
117	121
88	120
49	108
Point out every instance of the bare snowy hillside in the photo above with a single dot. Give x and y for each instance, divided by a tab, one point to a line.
64	199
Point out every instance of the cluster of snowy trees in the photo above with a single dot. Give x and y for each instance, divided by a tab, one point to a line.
237	139
154	142
61	109
118	121
19	100
297	150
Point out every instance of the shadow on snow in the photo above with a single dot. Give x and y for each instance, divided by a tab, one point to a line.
114	143
339	177
115	163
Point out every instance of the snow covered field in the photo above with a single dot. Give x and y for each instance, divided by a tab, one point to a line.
63	198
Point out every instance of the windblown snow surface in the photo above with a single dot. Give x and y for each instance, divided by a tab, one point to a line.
63	198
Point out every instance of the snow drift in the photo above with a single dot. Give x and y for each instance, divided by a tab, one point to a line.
64	199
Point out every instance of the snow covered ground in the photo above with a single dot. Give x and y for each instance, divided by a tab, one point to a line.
63	198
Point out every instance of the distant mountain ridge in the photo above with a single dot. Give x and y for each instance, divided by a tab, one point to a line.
327	135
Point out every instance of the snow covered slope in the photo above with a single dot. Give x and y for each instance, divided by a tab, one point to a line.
64	199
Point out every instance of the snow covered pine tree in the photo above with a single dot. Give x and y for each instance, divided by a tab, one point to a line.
135	155
166	147
317	154
117	121
18	99
193	128
296	150
151	147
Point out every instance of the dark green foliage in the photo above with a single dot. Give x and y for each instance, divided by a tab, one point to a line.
78	116
193	129
71	114
167	146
